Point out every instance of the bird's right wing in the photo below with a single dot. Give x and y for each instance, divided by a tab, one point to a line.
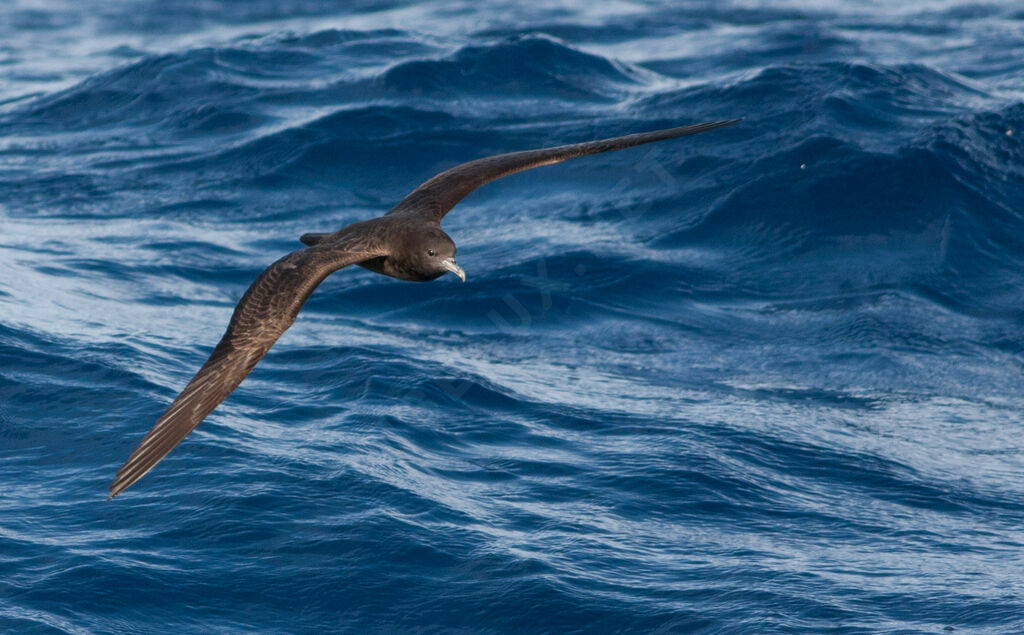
266	311
439	195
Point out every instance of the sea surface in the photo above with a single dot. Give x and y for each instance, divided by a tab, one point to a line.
768	379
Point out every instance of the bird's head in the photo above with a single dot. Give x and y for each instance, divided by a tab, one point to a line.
430	255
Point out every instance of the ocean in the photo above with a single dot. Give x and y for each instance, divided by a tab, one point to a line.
766	379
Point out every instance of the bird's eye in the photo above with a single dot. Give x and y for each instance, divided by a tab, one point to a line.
431	252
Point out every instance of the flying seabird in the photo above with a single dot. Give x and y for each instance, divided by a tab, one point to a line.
406	243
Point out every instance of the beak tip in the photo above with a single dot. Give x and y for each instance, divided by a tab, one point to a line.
450	265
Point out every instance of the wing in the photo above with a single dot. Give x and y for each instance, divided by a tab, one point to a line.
266	311
436	197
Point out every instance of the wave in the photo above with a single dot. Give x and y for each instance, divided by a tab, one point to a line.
530	67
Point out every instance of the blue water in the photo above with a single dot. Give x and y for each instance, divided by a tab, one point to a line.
767	379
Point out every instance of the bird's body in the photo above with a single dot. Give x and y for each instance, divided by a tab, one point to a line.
406	243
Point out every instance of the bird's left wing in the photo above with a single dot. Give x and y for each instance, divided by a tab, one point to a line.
266	311
435	198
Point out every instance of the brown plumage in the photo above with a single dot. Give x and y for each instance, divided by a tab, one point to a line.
406	243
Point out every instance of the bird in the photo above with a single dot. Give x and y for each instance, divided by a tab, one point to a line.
405	243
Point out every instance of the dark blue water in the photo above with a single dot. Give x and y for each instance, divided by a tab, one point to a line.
767	379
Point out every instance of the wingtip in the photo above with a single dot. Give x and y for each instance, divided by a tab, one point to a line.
115	488
711	125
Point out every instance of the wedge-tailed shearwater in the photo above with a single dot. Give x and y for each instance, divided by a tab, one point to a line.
406	243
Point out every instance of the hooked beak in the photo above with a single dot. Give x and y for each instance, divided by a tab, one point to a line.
449	264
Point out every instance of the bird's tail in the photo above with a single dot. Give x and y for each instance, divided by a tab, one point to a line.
313	239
